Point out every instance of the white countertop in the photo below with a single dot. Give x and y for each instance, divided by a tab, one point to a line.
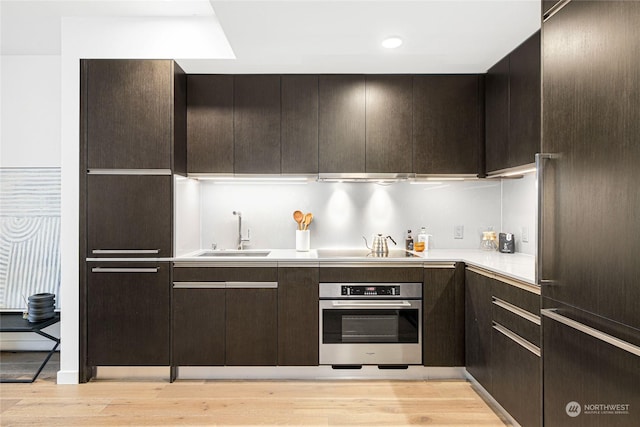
517	266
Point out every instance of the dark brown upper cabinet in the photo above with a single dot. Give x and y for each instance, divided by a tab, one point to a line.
341	124
524	102
513	105
497	115
210	123
388	124
299	138
447	116
135	114
256	124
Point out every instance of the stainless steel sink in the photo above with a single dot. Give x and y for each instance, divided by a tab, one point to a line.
235	254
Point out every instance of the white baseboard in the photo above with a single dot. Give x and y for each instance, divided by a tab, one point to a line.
67	377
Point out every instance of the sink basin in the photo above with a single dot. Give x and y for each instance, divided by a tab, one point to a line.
235	254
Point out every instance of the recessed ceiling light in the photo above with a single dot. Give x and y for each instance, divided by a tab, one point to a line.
391	42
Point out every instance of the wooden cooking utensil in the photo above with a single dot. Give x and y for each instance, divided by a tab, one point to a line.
307	220
298	217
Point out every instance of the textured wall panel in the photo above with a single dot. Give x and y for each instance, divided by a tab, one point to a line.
29	234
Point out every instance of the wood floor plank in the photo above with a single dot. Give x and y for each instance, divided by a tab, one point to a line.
245	403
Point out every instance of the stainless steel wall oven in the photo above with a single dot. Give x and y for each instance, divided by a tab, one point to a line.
370	323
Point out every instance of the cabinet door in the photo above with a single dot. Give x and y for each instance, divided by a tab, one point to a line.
210	124
389	124
524	102
299	124
298	316
443	316
516	378
128	310
446	124
252	327
497	116
129	213
198	326
583	375
256	124
342	124
478	328
591	121
129	111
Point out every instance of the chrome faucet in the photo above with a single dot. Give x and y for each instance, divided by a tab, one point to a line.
241	241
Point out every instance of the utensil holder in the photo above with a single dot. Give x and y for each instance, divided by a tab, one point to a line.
303	240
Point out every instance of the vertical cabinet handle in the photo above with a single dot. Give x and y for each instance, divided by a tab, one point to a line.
541	160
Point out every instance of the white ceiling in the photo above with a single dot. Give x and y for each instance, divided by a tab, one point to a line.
306	36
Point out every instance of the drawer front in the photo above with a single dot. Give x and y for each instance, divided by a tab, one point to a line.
526	300
371	274
225	274
517	320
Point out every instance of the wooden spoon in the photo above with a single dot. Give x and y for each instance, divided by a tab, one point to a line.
307	220
298	217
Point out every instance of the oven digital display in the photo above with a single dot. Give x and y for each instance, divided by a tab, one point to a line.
364	290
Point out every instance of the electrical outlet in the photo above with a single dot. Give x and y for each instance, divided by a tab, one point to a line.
458	232
525	234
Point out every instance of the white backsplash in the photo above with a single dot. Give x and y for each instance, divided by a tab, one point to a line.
519	209
344	212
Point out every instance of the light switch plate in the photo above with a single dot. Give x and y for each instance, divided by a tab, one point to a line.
525	234
458	232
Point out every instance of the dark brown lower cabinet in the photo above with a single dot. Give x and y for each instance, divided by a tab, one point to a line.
251	326
198	326
502	342
443	316
516	377
588	381
298	316
478	328
128	312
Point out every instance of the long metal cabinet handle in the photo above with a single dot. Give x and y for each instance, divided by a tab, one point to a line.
125	251
124	270
251	285
199	285
541	158
517	339
517	310
129	172
371	304
617	342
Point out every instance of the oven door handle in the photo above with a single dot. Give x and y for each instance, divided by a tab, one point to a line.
360	304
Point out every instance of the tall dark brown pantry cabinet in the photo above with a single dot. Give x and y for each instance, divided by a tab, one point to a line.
133	139
589	270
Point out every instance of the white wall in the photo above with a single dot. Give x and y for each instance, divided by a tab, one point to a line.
30	114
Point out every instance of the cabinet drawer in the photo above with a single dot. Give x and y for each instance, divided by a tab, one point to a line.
371	274
225	274
128	311
519	297
523	323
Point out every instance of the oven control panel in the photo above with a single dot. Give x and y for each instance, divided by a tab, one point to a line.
367	290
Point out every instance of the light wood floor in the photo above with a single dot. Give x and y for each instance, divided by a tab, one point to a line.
215	403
